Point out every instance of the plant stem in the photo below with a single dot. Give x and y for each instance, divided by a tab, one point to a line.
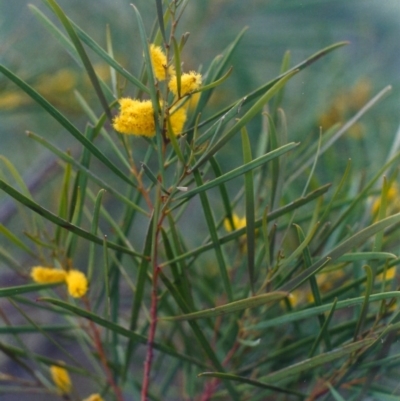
102	356
153	325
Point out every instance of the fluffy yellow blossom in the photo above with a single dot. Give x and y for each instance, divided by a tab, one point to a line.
189	83
136	118
61	379
45	275
194	100
177	119
237	222
159	62
94	397
77	283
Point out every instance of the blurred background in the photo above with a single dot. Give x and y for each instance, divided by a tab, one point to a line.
330	91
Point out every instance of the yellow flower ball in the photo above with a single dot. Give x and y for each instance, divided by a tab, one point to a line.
136	117
237	222
189	83
77	283
177	119
61	379
159	63
44	275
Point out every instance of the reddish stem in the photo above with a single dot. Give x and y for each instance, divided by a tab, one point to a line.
150	342
102	355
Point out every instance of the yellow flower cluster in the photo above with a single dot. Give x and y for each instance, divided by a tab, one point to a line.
189	83
45	275
76	281
137	117
238	222
61	379
159	62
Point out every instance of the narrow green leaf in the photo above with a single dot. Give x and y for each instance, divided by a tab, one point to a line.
65	123
10	350
254	383
177	60
299	250
215	83
231	307
65	42
324	330
299	67
214	72
343	129
93	231
99	127
248	116
181	282
160	17
271	216
82	54
240	170
85	38
214	237
355	256
137	300
334	393
316	361
110	52
273	141
60	222
316	294
17	177
202	340
106	272
341	249
15	240
249	198
79	194
63	202
336	192
152	177
381	213
214	130
379	395
22	289
279	97
84	170
306	313
364	309
152	91
222	189
119	329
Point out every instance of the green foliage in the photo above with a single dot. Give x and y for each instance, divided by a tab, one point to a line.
186	299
